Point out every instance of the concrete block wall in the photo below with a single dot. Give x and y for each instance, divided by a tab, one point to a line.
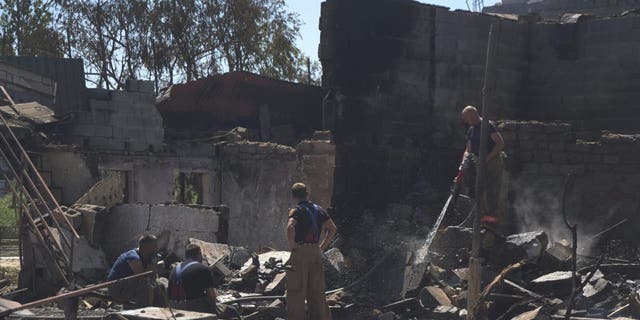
586	71
67	173
255	180
119	121
605	171
377	56
119	229
25	86
252	179
460	56
316	162
404	70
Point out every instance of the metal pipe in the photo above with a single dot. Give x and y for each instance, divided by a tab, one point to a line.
474	261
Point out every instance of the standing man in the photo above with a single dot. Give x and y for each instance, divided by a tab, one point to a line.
191	284
310	231
132	262
494	210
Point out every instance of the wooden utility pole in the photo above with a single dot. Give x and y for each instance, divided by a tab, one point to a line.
487	92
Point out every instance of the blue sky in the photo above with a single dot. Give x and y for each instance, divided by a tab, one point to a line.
309	11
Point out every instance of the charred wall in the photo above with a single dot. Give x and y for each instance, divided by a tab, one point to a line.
554	9
401	71
585	72
605	179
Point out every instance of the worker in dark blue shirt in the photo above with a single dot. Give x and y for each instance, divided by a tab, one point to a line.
139	293
310	231
494	212
191	284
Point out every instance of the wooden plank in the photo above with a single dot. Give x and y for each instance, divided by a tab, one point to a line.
17	306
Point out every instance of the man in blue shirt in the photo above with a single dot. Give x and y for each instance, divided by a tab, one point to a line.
191	284
494	211
130	263
310	231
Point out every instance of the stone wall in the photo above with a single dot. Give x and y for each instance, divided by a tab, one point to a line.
606	177
119	120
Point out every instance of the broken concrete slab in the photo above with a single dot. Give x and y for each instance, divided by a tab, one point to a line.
517	247
238	256
557	257
336	259
211	252
155	313
88	262
558	283
446	313
592	291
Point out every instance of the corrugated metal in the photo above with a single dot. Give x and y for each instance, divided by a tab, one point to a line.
68	73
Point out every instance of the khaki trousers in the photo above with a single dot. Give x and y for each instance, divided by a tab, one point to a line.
305	282
494	197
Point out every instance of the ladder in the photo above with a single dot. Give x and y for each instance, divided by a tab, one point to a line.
38	209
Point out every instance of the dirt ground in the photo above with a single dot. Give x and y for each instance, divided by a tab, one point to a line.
9	269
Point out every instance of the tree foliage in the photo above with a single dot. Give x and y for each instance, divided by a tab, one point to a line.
167	41
26	28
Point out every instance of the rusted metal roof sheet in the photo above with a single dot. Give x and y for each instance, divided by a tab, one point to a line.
238	94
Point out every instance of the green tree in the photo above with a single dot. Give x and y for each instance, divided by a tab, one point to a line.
27	28
168	41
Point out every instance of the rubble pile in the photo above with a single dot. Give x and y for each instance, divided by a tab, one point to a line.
524	277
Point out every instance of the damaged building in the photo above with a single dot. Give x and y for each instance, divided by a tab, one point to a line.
211	161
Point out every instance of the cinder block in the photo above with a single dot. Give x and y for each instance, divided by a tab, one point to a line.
101	105
107	143
103	131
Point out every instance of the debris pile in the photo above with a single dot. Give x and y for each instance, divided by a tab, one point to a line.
524	277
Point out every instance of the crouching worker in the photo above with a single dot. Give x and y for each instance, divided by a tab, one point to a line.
191	284
138	293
